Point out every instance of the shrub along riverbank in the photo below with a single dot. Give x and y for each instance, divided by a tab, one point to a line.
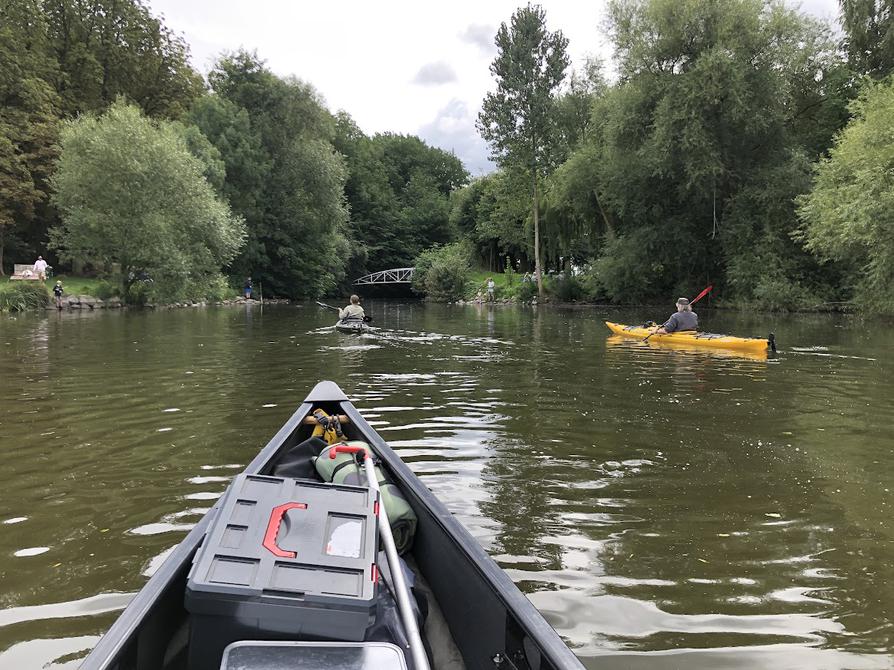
20	296
447	274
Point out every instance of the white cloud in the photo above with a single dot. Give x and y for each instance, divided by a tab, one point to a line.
481	36
364	57
453	130
435	74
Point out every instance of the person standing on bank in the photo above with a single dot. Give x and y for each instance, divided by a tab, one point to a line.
352	310
490	289
247	288
683	319
40	268
57	293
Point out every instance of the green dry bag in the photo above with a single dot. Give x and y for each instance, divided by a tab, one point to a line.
344	469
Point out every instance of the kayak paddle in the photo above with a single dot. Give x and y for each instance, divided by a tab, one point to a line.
702	294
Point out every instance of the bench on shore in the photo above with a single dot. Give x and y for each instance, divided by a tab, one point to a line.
26	272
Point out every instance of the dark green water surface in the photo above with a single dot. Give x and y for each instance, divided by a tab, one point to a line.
663	508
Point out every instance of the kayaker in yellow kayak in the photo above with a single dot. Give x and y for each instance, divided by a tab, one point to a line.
683	319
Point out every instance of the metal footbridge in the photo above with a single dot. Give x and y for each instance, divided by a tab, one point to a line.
393	276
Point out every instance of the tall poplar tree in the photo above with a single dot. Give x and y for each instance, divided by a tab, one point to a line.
517	119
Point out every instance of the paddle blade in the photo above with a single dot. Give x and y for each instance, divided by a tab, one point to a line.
701	295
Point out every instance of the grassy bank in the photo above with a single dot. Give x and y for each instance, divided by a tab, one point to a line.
79	285
22	295
72	285
509	286
578	290
104	289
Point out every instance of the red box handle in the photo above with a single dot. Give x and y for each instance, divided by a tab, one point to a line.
273	529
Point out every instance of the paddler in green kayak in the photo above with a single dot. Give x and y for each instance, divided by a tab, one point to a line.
683	319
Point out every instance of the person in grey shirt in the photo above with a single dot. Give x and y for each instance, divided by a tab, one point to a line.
683	319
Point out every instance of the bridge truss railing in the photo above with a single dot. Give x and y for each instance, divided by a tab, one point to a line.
393	276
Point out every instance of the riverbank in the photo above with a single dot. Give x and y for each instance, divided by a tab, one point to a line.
90	293
92	302
566	291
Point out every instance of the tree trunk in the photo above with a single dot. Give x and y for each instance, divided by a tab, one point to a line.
2	273
609	229
537	267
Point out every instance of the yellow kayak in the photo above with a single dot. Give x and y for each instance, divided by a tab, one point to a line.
621	342
697	339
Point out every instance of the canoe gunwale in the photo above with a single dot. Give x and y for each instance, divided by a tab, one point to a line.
532	622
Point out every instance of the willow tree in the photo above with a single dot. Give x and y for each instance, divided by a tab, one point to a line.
847	217
869	36
517	119
132	195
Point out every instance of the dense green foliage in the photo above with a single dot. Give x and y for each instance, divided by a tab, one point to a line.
398	191
692	167
869	30
697	153
848	215
322	203
283	175
61	58
686	170
29	109
492	212
132	196
441	272
518	120
23	295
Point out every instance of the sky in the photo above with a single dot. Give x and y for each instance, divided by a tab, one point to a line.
409	67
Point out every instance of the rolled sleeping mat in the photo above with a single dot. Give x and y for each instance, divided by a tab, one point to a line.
344	469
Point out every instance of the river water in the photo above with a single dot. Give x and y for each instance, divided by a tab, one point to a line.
663	508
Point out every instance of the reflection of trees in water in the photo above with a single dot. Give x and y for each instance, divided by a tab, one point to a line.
37	359
529	467
668	480
841	427
622	473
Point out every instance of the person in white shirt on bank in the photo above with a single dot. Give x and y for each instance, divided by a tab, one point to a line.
40	268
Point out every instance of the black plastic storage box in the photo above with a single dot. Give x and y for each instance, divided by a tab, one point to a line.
284	559
313	656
